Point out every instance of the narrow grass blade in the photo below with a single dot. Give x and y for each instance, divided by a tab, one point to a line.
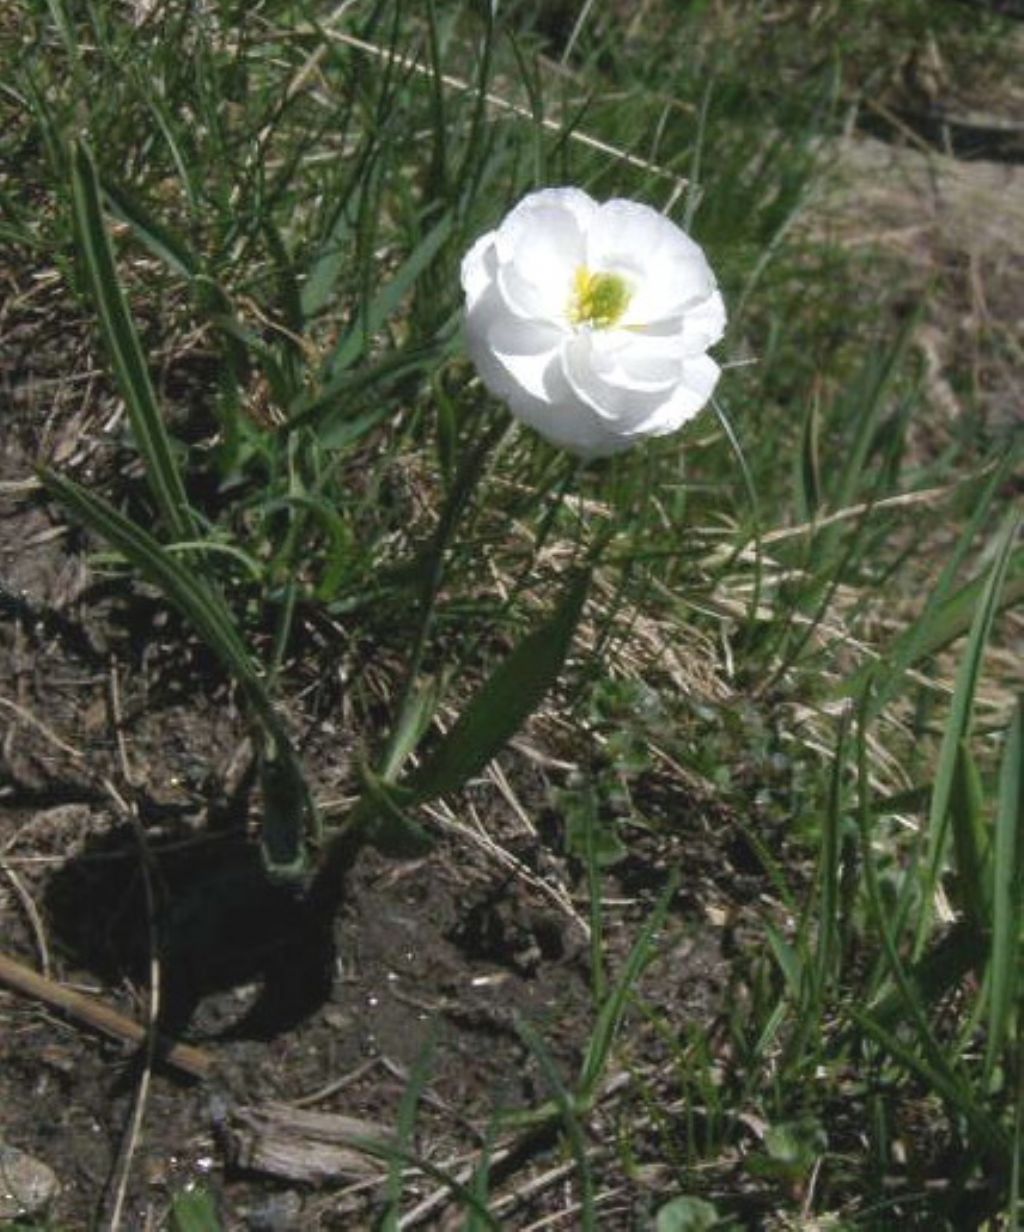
941	969
125	349
505	701
387	300
191	596
827	960
609	1018
479	1184
947	614
985	1131
755	516
864	408
1014	1212
66	29
381	818
808	468
164	117
594	892
410	728
570	1120
390	1152
405	1129
329	411
966	801
289	300
330	259
290	813
930	1062
1007	888
958	726
788	962
149	231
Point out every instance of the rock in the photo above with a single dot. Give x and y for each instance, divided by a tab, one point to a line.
280	1212
27	1185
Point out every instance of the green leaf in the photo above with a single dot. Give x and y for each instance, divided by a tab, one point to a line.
447	430
290	813
987	1132
808	472
686	1215
970	846
330	258
589	836
194	1211
382	818
158	238
386	301
125	350
796	1143
865	403
934	1065
568	1114
942	968
949	622
506	700
959	723
410	727
788	961
1007	890
791	1149
330	409
828	958
609	1017
947	614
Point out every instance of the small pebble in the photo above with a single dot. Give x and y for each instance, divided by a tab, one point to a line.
27	1185
278	1213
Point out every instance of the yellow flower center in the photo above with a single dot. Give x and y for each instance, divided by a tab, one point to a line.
598	299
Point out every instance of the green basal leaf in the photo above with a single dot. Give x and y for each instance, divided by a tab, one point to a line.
507	699
125	350
290	816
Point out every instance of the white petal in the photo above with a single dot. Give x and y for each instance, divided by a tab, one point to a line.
636	360
700	376
526	375
667	269
540	245
558	206
626	230
545	301
576	429
588	373
529	351
688	398
703	325
479	266
670	287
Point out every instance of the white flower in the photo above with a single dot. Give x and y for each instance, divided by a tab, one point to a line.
592	321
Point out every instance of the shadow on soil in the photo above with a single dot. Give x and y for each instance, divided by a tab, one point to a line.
220	925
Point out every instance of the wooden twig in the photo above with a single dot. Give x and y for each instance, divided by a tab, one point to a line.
298	1144
133	1130
190	1060
31	911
